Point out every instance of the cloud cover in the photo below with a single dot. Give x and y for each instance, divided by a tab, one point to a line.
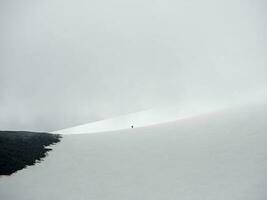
67	63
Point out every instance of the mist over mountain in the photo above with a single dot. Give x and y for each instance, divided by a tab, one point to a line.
68	63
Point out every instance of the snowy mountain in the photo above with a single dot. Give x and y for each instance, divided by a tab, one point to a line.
218	155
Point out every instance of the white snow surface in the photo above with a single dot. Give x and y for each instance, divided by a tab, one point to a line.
220	155
140	119
165	114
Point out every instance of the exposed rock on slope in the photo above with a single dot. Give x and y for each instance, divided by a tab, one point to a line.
19	149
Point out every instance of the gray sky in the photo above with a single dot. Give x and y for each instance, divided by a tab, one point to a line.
64	63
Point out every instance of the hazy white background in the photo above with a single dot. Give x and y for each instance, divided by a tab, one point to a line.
64	63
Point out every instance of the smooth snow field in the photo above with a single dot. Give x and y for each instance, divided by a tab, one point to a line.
216	156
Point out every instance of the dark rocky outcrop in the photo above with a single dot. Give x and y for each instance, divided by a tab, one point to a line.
19	149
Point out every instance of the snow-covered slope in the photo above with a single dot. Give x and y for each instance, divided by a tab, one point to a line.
142	119
169	113
219	156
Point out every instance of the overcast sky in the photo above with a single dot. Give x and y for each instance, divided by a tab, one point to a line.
64	63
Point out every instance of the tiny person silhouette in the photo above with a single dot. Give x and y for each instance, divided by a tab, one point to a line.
132	126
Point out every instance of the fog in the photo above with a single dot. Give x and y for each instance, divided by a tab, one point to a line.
64	63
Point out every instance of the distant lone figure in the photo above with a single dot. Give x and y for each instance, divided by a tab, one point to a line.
132	126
